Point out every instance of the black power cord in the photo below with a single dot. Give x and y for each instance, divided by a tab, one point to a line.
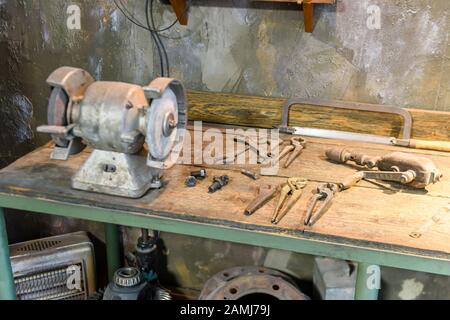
150	26
130	17
158	38
155	38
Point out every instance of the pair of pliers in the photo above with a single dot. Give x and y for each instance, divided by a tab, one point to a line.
324	194
297	144
289	195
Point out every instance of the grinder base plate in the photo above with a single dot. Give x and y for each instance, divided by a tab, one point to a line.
116	174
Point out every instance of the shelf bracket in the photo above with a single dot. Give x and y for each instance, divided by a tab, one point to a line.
180	7
308	9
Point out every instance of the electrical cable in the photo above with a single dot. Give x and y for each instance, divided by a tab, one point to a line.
161	44
130	17
176	20
151	27
152	33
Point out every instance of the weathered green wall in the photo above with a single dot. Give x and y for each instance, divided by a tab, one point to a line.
231	46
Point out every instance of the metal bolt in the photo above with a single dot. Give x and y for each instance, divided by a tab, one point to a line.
172	124
219	183
109	168
250	174
169	124
191	182
201	174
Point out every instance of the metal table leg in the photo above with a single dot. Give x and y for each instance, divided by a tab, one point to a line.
7	289
112	248
368	282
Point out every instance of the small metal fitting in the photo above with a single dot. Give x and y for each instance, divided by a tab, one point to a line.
219	183
128	277
201	174
250	174
190	182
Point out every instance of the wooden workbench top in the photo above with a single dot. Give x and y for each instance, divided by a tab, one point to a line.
368	215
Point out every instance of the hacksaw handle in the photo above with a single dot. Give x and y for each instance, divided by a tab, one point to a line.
430	145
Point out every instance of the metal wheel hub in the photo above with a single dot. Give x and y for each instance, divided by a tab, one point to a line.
245	282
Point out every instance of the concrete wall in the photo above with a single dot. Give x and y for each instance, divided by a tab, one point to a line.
230	46
262	50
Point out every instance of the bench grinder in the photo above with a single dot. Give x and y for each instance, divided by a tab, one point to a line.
136	132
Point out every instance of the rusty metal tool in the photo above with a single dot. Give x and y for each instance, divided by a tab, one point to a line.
190	182
404	141
200	174
218	183
324	194
297	144
250	174
255	145
251	144
289	195
405	168
265	194
345	135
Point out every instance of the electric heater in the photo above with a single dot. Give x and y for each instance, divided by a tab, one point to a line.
55	268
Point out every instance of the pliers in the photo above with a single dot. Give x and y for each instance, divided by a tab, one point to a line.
324	193
289	195
297	144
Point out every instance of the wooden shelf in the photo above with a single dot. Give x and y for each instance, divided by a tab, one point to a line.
180	8
308	9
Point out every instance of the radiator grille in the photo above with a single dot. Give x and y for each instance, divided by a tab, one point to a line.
49	285
38	245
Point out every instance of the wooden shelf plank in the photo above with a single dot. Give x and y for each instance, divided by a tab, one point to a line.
308	9
235	109
180	7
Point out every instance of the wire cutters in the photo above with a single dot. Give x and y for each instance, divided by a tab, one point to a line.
289	195
297	144
324	194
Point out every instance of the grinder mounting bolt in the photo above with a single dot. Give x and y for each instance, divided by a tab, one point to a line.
219	183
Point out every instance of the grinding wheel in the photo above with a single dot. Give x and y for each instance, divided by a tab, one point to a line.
57	113
160	140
